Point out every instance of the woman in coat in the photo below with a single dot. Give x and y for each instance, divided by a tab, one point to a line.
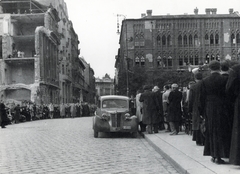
233	91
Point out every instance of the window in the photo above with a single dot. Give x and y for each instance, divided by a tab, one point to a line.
137	61
164	40
196	40
216	39
185	40
142	61
159	61
180	40
196	61
238	38
180	61
191	59
190	40
169	41
206	39
233	41
169	61
158	40
211	39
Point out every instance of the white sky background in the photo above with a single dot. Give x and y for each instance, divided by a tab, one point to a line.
95	22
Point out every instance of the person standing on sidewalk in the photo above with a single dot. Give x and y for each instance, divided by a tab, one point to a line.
165	103
159	111
139	106
212	108
233	90
51	110
149	108
175	109
193	106
3	115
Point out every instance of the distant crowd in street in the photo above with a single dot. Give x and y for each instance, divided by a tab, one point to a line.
11	113
207	108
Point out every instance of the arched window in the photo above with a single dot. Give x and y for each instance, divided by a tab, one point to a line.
196	60
180	61
207	59
211	39
159	61
206	39
164	40
216	39
190	40
142	61
180	40
169	40
169	61
185	40
195	40
137	61
238	38
233	40
158	40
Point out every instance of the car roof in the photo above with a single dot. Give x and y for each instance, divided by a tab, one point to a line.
113	97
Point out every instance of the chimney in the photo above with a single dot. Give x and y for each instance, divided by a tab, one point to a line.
214	11
230	10
207	10
196	11
143	15
149	13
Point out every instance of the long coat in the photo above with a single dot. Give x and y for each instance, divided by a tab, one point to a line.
3	115
174	107
139	106
150	108
233	90
212	96
194	104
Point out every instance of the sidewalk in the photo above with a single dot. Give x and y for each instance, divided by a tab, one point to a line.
185	155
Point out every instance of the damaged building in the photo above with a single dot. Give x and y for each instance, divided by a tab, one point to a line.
38	47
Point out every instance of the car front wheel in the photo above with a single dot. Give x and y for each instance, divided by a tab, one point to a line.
95	134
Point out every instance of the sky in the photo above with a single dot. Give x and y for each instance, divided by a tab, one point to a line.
95	22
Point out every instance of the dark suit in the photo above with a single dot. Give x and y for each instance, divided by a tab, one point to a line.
212	96
233	91
174	110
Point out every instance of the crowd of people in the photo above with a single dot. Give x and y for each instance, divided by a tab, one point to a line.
208	109
11	113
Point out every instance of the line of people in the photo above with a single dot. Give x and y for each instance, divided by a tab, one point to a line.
16	113
208	109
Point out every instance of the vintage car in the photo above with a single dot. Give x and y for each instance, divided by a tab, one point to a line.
113	115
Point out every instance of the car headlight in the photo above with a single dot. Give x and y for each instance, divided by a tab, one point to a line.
127	116
105	117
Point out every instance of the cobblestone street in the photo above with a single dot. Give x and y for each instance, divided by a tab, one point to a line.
68	146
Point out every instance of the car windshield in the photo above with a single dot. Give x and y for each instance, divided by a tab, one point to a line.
114	103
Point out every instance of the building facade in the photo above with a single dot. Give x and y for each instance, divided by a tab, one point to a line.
105	86
39	55
175	42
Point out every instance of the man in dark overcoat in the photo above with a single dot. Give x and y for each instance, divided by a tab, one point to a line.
212	95
150	107
174	109
3	115
233	90
193	106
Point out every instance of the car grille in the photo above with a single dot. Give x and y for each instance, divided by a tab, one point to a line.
116	119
